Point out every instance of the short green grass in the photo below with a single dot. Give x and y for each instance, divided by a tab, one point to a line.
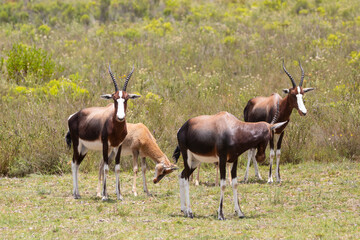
314	201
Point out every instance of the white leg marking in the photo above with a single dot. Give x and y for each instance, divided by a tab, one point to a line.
222	190
101	176
234	184
75	170
250	153
182	193
272	154
229	167
104	193
117	174
188	211
278	153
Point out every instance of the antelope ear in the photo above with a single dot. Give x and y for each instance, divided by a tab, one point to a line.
134	96
172	167
286	90
308	89
106	96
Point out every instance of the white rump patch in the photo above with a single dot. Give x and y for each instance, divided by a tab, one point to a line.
71	116
300	101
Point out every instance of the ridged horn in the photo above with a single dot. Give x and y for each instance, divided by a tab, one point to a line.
113	79
287	73
275	118
128	78
302	75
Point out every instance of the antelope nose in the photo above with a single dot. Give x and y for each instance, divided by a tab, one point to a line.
121	119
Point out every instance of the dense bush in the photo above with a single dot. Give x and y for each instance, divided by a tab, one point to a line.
29	65
191	58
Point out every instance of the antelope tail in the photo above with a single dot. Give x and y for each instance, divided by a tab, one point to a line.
176	154
68	139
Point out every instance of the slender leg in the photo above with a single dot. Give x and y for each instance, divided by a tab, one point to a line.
272	154
182	176
78	156
75	168
222	168
188	211
182	192
217	175
234	184
101	173
278	153
106	169
143	170
229	166
104	192
197	180
117	174
135	170
101	177
257	172
250	156
190	166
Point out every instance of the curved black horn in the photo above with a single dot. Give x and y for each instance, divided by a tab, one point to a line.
291	78
128	78
302	75
113	79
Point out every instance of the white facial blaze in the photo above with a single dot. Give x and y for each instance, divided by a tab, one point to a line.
300	101
121	107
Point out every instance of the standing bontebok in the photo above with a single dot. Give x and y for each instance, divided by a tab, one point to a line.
140	142
218	138
101	129
263	109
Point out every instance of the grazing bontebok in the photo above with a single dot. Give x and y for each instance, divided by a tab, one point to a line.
263	109
140	142
101	129
218	138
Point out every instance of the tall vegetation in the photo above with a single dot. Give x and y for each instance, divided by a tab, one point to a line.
191	58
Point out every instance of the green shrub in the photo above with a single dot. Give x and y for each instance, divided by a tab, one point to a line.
29	65
274	4
85	19
54	88
300	6
44	29
158	27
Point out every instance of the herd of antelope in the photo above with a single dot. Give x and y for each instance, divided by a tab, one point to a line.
219	138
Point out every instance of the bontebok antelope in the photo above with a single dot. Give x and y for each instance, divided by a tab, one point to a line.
140	142
102	129
218	138
263	109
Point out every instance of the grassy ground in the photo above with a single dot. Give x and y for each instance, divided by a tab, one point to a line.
315	200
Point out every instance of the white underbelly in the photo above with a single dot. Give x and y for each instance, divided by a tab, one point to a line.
205	159
91	145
